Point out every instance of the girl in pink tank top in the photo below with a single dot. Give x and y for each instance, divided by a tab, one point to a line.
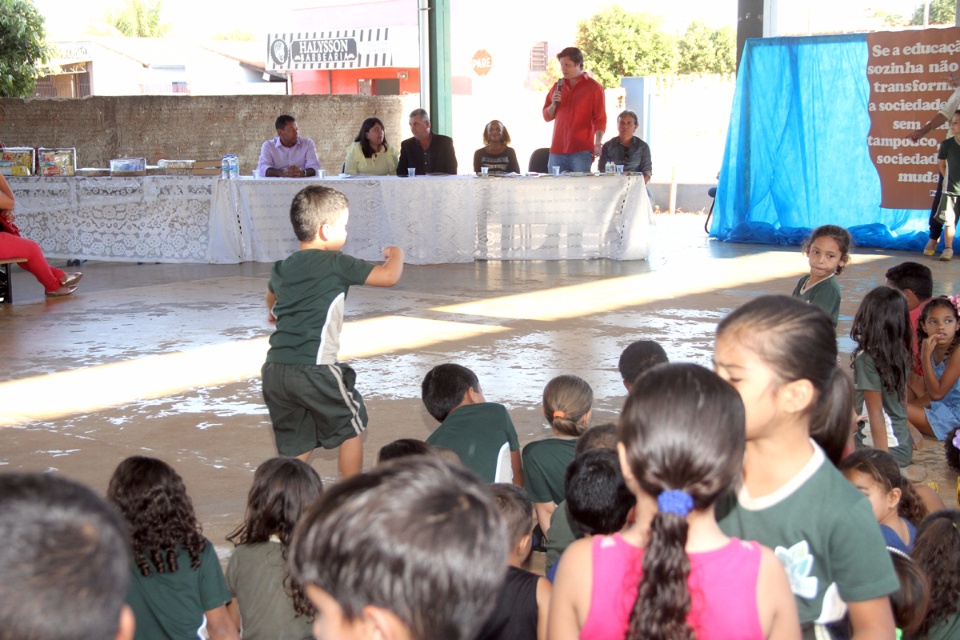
673	575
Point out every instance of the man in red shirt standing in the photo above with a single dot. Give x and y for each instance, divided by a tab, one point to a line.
576	106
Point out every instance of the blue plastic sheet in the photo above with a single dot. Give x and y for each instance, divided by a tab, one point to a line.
796	155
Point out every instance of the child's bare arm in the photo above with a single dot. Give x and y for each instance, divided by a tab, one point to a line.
873	401
943	167
271	300
775	601
387	274
938	388
516	464
872	619
544	511
220	625
543	607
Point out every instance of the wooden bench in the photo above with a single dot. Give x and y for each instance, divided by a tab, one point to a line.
6	281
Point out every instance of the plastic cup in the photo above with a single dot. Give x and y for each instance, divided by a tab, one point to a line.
555	171
411	172
322	174
619	168
485	170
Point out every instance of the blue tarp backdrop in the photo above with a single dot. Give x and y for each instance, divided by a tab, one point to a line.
796	154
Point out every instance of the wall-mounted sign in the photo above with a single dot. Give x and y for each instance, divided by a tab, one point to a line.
910	75
482	62
343	49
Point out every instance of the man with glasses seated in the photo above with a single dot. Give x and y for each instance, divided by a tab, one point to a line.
627	149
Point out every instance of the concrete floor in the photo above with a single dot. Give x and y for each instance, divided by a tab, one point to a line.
164	360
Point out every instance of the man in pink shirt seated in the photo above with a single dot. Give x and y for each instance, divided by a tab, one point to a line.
576	106
288	155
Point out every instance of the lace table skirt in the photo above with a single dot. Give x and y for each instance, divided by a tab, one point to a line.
435	220
136	219
438	220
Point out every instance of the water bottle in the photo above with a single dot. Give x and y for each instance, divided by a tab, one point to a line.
610	168
225	168
234	166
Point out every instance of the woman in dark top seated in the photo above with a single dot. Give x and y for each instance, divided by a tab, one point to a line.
496	155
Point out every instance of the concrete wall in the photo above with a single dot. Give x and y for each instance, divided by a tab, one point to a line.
193	127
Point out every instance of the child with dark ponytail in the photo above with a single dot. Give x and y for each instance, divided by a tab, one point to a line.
673	575
567	400
781	355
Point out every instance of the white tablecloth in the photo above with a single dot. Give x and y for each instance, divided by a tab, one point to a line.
462	218
434	219
148	219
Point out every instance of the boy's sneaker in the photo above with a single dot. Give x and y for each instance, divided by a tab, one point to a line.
946	255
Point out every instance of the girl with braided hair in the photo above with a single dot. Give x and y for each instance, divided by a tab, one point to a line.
673	575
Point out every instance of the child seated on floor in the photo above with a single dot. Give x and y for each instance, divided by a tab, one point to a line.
637	358
412	549
566	407
563	530
598	500
267	602
175	577
937	553
938	411
894	501
522	606
474	429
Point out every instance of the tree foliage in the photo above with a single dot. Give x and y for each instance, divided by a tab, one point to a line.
135	19
617	43
23	49
705	50
941	12
549	77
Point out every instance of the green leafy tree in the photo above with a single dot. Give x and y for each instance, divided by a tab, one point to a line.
724	41
23	50
705	50
941	12
135	19
891	19
237	35
617	43
549	77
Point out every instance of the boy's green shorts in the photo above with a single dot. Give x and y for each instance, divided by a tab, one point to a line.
312	405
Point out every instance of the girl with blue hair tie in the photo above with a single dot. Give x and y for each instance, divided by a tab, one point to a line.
673	575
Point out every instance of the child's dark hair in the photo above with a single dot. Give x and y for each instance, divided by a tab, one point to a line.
444	386
913	276
417	537
840	235
154	501
883	468
683	434
912	600
598	499
403	448
515	508
940	302
282	489
566	400
313	207
65	560
601	436
638	357
951	451
797	340
937	552
881	329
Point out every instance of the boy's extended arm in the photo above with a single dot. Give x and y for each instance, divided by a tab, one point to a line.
387	274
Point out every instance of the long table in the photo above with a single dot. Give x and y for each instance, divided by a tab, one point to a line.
434	219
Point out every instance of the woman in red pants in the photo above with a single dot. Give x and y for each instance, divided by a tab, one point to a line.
54	281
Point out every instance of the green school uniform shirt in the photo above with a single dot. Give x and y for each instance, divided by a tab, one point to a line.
311	288
545	465
476	433
867	378
825	294
823	532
